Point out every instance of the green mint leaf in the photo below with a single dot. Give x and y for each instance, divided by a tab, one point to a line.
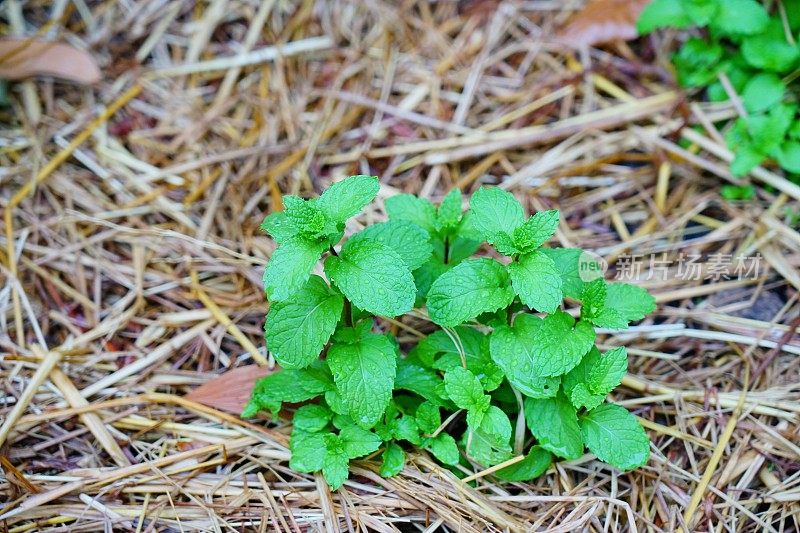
352	335
364	375
394	459
568	262
335	466
439	351
290	265
464	389
554	423
745	159
346	198
504	244
493	211
309	221
410	241
789	156
536	231
663	14
412	209
537	281
769	49
700	11
428	417
512	350
631	302
308	451
536	462
358	442
373	276
311	418
448	214
615	436
417	379
560	343
740	17
288	385
406	428
425	275
608	371
460	247
575	382
279	227
594	307
581	396
473	287
299	327
489	444
444	448
698	62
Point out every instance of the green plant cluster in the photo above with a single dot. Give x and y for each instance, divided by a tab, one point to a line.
759	54
503	343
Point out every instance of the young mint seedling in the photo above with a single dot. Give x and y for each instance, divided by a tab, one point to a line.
758	54
499	339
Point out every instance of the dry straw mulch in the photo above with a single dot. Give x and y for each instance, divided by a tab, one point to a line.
132	259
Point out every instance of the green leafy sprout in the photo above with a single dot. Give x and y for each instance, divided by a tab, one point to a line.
758	54
501	339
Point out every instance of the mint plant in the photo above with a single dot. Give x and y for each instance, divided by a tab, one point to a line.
504	337
758	52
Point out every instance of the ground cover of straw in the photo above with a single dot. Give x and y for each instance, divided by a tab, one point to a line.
132	261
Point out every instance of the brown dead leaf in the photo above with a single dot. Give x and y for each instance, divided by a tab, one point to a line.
602	21
231	390
22	58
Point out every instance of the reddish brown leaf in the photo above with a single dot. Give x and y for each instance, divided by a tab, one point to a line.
602	21
231	390
22	58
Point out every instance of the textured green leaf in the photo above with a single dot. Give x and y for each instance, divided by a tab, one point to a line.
444	448
335	466
308	451
289	267
536	462
615	436
740	17
348	197
394	458
311	418
439	351
418	379
448	214
631	302
413	209
289	385
560	343
279	227
745	159
581	396
763	91
537	281
406	428
309	221
608	371
700	11
663	14
512	350
493	210
410	241
489	443
464	389
358	442
364	374
373	276
299	327
555	425
536	230
473	287
428	417
567	264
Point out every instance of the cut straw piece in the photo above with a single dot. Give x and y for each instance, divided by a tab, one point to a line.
49	361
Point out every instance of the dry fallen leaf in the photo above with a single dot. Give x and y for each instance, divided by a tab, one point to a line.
22	58
601	21
231	390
